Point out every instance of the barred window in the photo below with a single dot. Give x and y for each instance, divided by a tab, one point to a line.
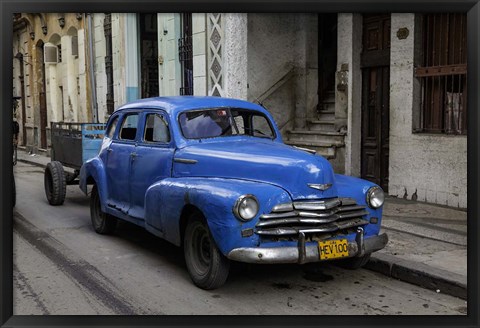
443	74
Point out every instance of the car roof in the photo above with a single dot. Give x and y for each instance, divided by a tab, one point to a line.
176	104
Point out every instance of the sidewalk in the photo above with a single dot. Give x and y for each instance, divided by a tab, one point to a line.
427	243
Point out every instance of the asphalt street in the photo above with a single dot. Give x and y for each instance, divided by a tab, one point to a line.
61	266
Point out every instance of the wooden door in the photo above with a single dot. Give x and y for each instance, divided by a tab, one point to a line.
375	63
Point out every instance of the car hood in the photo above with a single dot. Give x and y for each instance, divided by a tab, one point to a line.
258	160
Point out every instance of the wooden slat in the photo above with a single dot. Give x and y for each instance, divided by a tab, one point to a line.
441	70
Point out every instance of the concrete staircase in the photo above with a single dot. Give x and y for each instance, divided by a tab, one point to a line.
320	134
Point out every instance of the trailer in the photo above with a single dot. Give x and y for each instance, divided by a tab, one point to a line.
72	145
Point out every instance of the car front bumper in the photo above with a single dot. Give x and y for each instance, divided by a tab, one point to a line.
305	253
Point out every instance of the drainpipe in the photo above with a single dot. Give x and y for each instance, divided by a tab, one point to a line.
92	69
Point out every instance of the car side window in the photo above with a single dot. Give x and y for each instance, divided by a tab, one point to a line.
156	129
111	128
128	130
261	127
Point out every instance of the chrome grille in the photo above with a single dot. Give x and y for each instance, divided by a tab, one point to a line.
312	217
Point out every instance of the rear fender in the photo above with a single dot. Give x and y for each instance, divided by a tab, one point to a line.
215	198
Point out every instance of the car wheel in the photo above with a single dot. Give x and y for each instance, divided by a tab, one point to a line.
354	263
55	184
102	222
207	266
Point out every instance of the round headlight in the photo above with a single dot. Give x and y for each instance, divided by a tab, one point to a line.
375	197
246	207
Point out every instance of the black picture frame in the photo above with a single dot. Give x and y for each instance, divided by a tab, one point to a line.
8	7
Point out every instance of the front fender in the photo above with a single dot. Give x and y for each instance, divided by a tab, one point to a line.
215	198
356	188
94	169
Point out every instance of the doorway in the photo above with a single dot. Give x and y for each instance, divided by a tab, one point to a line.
375	64
149	55
327	56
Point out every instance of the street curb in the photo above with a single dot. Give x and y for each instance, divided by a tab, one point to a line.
419	274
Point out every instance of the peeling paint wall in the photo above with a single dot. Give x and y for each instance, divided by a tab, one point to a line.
282	58
431	168
169	71
348	104
199	48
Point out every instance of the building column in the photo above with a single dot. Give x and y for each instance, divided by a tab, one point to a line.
348	88
235	55
132	74
199	44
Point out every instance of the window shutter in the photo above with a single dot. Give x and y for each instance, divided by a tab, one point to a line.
50	54
75	46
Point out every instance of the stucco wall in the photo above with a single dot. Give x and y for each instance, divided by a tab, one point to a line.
348	104
280	53
434	167
169	71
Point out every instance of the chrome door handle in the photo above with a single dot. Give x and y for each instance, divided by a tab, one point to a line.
133	154
109	150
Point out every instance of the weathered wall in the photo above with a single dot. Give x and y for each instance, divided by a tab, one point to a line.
199	45
169	71
281	61
348	106
434	167
236	56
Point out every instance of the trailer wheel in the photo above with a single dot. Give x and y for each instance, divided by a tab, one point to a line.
55	184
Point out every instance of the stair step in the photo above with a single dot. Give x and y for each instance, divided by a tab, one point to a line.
321	125
319	144
321	122
337	138
310	132
326	115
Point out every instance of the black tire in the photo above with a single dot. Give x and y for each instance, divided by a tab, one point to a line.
55	184
207	266
354	263
14	192
102	222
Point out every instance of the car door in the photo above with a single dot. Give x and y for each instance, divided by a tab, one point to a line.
152	161
119	156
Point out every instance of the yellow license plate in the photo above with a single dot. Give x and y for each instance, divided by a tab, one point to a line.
333	249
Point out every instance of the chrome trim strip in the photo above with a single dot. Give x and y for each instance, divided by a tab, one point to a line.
351	214
286	207
329	227
279	215
185	160
345	208
292	254
316	205
348	201
269	223
320	186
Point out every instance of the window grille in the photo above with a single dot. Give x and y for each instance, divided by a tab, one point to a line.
443	75
185	53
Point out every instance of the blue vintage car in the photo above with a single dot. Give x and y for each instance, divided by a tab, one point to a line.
212	175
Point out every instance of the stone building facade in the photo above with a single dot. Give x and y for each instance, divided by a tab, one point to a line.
357	88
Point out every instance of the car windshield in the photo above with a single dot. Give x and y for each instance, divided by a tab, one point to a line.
220	122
